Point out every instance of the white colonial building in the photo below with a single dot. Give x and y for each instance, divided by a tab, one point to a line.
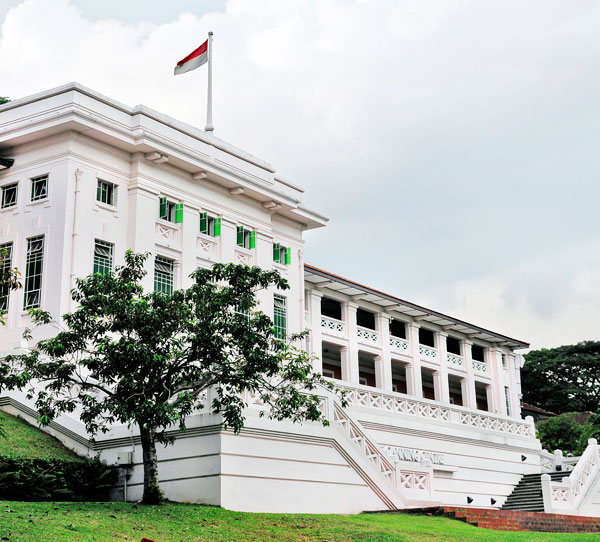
434	414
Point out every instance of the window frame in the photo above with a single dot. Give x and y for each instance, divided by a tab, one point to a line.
4	189
36	278
279	329
6	265
111	190
245	238
33	182
173	211
212	226
165	286
97	265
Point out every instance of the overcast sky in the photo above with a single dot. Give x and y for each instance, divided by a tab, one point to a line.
454	144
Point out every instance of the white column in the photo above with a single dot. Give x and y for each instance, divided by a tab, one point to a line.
316	337
414	384
442	392
383	366
468	388
351	356
497	376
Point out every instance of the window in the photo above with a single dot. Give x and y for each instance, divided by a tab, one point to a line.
209	225
103	257
173	212
280	316
6	265
9	195
246	238
282	254
331	308
39	188
478	353
398	329
507	399
33	272
426	337
365	319
504	366
453	346
163	275
106	192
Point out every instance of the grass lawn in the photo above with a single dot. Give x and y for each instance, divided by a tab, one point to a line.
95	522
25	440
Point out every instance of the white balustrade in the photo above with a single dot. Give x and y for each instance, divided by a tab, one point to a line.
428	352
569	494
333	326
455	360
166	234
396	343
398	404
480	367
367	335
244	257
207	247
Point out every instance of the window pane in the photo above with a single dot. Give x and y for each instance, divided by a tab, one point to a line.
163	275
33	272
9	195
103	256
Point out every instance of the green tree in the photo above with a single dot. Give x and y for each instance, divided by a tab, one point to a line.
561	433
4	100
146	358
563	379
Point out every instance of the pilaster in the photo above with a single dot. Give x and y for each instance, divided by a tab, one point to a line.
442	391
468	387
316	337
414	383
350	363
383	365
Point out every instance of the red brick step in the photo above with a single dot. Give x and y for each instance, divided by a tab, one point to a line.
515	520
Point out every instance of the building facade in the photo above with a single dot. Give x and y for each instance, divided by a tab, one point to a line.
434	413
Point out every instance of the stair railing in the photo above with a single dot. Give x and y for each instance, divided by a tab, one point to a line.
568	494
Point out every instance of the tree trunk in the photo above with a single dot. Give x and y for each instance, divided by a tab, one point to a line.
152	491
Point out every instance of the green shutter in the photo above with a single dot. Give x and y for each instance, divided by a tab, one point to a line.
204	223
217	227
252	243
163	208
240	236
276	247
288	256
179	213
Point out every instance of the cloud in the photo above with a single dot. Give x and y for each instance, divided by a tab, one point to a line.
450	141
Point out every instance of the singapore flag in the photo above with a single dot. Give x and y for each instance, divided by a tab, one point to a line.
194	60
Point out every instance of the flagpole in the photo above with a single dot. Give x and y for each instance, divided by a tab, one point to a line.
209	125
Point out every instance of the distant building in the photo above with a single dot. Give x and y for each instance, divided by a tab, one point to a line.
434	414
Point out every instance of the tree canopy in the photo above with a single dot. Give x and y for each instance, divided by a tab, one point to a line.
563	379
126	356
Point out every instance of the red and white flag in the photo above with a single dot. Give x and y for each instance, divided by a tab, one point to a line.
194	60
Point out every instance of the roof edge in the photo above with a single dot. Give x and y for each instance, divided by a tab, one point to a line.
431	312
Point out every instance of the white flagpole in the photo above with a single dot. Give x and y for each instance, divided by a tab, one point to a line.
209	124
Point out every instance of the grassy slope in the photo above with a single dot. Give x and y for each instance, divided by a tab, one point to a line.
95	522
25	440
